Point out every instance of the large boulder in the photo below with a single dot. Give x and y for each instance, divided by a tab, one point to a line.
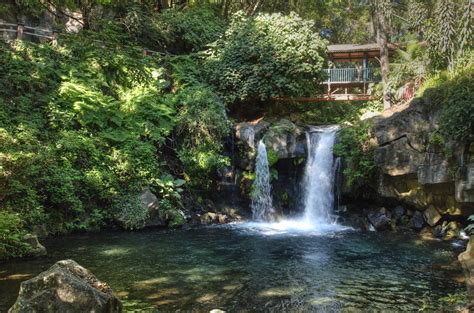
66	287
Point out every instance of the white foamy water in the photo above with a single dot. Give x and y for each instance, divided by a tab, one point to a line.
318	190
262	204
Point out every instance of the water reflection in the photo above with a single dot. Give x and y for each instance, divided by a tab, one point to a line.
242	267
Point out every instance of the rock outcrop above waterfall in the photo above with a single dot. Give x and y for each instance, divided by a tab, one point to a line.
435	178
283	138
66	287
286	146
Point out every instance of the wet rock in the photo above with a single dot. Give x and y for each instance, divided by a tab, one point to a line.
447	230
37	249
427	234
380	218
431	215
249	133
208	218
222	218
417	221
467	261
214	218
65	287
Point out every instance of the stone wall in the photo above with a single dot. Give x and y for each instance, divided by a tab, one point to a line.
414	169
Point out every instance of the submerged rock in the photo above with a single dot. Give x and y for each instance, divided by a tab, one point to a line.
66	287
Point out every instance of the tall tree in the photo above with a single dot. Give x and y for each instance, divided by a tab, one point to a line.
380	13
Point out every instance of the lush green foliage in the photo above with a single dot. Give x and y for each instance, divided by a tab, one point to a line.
355	147
266	56
454	96
175	30
12	236
82	125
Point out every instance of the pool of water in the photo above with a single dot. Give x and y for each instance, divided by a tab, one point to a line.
250	267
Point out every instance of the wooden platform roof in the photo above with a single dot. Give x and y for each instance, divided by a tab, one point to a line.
354	52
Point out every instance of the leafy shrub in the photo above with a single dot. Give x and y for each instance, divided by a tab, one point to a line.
454	97
266	56
82	123
355	148
202	124
175	30
12	236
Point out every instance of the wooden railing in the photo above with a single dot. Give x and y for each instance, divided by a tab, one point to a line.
350	75
19	31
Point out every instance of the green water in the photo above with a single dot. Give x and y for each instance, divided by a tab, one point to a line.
238	268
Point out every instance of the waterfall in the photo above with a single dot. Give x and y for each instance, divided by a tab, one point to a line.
318	183
262	207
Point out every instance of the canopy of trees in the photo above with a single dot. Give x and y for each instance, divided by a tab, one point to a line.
88	123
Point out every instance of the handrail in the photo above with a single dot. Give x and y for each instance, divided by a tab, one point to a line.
21	29
350	75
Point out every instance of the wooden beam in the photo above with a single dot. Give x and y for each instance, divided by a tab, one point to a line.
326	98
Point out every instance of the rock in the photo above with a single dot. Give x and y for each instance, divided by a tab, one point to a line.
431	215
398	158
149	202
467	261
222	218
380	218
208	218
447	230
434	169
249	133
65	287
37	249
286	139
427	234
464	186
398	212
417	221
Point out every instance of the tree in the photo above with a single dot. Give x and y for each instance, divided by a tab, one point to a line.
380	12
265	56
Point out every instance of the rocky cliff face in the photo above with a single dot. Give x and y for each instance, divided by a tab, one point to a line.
420	171
286	146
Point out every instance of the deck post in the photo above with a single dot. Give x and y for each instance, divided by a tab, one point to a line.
365	67
54	37
20	28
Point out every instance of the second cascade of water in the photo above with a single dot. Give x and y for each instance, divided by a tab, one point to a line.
262	204
318	183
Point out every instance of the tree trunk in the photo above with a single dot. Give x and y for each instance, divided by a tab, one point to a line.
380	26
